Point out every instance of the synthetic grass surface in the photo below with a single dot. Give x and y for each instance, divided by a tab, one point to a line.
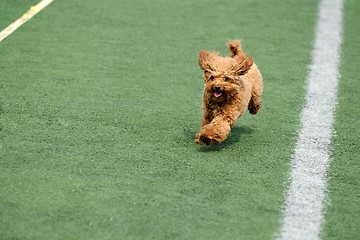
342	214
100	103
10	11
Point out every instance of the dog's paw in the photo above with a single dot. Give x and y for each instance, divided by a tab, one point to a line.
205	139
254	108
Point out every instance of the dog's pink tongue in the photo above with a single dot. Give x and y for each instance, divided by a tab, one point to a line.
217	94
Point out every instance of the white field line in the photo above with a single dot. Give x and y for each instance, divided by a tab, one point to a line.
24	18
304	204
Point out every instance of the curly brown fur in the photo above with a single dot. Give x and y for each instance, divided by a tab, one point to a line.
232	85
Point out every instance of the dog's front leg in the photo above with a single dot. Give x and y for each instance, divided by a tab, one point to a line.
206	118
214	132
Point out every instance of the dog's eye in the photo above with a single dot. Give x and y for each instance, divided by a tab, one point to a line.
211	77
226	79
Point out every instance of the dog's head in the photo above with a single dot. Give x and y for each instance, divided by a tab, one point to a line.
222	74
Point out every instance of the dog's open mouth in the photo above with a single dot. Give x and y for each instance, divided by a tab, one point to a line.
217	94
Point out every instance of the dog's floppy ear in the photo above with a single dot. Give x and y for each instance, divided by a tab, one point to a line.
243	63
204	57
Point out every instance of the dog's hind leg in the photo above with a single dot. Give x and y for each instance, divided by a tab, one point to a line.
254	77
255	101
255	104
206	119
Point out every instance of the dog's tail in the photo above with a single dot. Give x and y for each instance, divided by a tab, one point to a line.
234	47
236	52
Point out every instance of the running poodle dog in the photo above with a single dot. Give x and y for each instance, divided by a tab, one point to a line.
232	85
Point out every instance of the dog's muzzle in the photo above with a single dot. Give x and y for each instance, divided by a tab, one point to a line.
217	92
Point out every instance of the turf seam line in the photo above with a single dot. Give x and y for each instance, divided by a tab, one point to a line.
24	18
304	204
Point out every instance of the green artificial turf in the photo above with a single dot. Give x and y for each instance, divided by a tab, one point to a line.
342	215
100	103
10	11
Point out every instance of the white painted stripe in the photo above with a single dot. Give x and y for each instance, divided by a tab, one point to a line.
304	206
24	18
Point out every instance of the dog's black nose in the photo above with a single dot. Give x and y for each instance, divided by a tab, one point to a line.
217	88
